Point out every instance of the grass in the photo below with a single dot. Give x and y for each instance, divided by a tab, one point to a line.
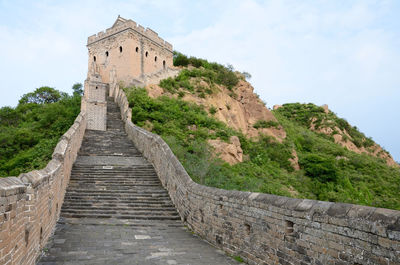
303	114
238	258
265	124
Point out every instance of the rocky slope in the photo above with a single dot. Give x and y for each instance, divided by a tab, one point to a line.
324	121
240	109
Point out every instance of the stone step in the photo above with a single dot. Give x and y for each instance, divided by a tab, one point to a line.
126	210
110	182
113	188
111	200
111	169
109	166
117	175
77	204
149	194
121	216
130	186
121	202
116	168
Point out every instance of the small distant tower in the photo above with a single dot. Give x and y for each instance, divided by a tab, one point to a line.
94	102
128	53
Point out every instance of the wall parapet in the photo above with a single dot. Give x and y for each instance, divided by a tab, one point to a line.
130	25
270	229
30	204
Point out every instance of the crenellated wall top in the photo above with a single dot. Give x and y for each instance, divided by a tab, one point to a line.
121	25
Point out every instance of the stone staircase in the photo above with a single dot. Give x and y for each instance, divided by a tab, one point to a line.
110	179
116	211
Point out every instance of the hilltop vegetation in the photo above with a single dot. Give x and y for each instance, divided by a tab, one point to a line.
328	171
30	131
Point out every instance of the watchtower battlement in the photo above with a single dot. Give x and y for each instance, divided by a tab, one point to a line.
127	24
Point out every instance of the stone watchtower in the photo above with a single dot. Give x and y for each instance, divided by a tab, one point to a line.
126	53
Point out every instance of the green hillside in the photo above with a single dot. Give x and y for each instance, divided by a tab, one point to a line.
327	172
30	131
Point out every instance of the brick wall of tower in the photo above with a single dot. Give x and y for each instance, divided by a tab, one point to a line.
95	103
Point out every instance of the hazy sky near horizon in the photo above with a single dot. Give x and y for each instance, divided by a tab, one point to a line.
342	53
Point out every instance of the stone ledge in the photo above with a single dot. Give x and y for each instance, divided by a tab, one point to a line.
60	150
34	178
11	186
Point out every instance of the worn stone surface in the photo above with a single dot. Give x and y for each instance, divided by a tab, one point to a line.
124	242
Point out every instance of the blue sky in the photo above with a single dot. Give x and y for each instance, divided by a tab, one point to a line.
342	53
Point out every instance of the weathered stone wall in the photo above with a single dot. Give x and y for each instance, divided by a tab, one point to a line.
269	229
130	49
30	204
94	102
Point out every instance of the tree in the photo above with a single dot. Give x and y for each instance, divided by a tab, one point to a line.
246	75
42	95
8	116
77	88
180	59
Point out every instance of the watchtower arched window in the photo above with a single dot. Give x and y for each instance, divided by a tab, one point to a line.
94	58
147	53
120	48
155	59
107	53
137	49
163	64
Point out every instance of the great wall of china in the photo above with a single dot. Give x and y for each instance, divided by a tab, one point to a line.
260	228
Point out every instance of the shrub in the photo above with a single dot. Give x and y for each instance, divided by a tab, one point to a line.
212	110
211	72
265	124
320	167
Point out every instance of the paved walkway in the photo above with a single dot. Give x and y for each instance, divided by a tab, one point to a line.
116	211
125	242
